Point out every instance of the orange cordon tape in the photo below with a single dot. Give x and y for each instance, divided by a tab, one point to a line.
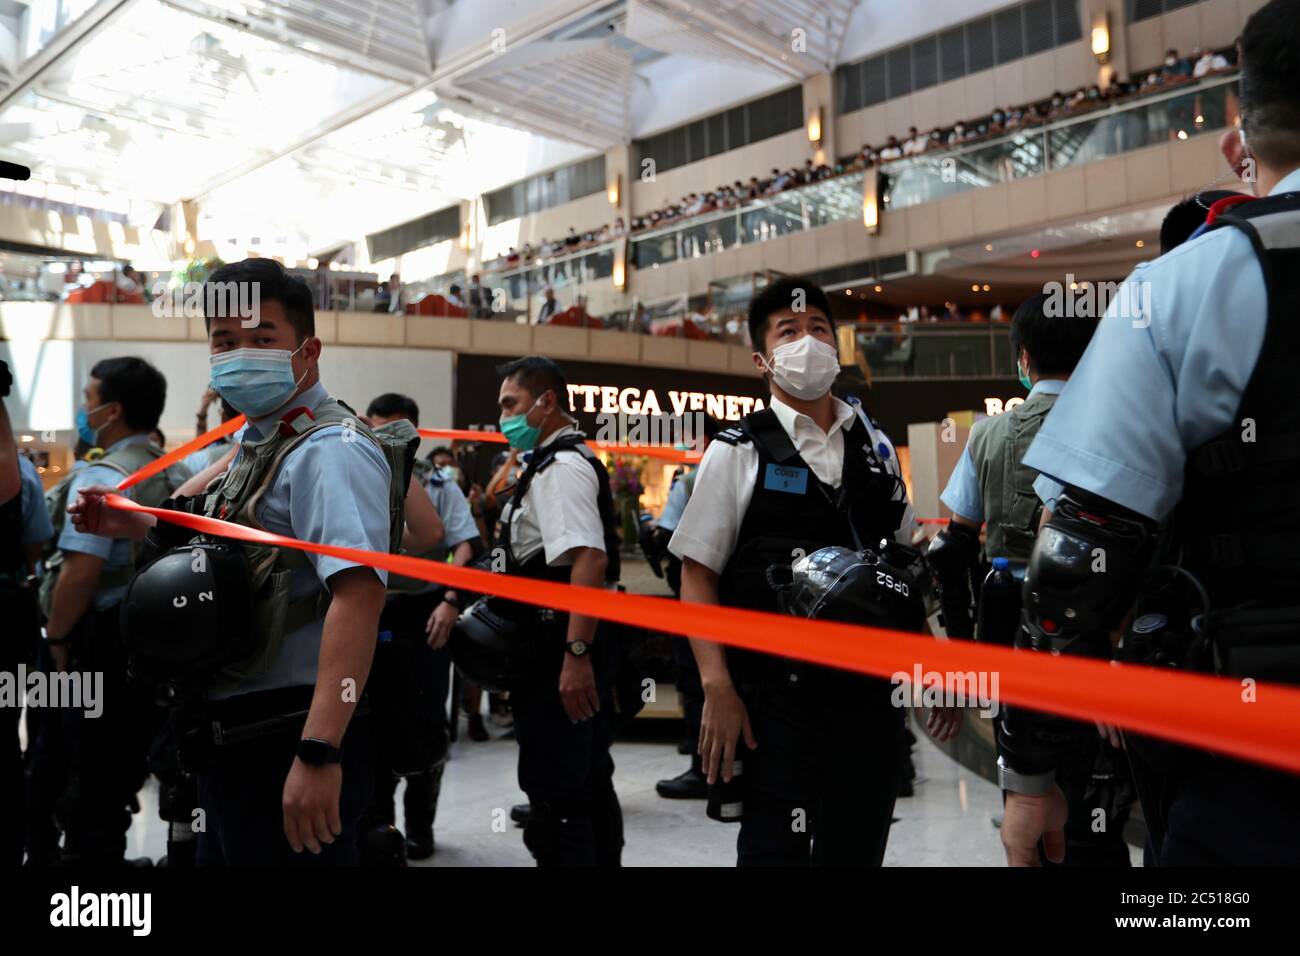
1195	709
648	451
176	454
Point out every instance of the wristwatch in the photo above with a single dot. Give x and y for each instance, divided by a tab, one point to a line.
578	648
453	601
1032	785
317	753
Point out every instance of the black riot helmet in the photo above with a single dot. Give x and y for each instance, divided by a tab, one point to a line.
881	587
492	644
187	613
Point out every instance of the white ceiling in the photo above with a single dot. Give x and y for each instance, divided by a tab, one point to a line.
322	117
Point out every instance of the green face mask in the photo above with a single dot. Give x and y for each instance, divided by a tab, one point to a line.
518	432
1024	378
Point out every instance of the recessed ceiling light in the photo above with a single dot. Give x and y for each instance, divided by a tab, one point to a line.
974	288
988	247
1141	244
879	289
986	287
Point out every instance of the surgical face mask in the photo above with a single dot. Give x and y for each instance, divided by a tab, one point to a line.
255	381
1024	377
518	432
805	368
87	434
449	473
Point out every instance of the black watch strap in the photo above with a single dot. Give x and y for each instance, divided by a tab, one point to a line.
317	753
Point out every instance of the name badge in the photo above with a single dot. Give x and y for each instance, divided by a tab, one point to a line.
784	478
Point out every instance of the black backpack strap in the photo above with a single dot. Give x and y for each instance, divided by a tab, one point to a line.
764	429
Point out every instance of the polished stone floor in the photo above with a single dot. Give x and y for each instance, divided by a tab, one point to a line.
946	822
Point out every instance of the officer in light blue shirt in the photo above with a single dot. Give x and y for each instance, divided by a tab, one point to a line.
962	494
115	553
678	495
36	519
1179	410
328	489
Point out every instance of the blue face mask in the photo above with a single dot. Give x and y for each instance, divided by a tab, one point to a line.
87	434
1024	378
255	381
518	432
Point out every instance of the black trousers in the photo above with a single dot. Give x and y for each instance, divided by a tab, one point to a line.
85	770
1098	788
820	787
566	768
1206	810
405	615
242	792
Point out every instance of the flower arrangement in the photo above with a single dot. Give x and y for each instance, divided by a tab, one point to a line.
625	480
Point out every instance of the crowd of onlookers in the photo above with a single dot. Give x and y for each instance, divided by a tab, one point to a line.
1174	71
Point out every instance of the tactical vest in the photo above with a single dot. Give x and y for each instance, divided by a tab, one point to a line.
998	446
423	472
235	497
153	491
793	513
1238	524
540	460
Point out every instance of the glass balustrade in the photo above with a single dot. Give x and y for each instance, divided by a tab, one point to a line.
795	210
1208	106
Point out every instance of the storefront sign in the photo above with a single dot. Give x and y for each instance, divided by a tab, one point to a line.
613	400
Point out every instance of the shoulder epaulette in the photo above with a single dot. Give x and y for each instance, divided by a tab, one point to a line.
732	436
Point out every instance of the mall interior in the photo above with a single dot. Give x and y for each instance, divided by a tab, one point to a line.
610	184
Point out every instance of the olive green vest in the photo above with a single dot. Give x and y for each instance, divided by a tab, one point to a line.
153	491
997	449
236	495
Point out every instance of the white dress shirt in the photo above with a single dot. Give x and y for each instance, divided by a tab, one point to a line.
710	525
559	511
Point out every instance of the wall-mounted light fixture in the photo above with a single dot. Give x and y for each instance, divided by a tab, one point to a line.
1101	38
615	192
618	275
815	125
871	202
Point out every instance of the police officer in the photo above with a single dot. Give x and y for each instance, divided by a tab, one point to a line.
423	614
92	766
293	765
24	528
810	471
1183	411
992	488
560	525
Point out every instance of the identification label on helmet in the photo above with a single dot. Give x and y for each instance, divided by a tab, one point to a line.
784	478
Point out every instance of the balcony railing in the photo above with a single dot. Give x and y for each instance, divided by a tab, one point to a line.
1192	110
795	210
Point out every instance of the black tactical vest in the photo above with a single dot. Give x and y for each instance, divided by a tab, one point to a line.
1238	524
536	566
793	513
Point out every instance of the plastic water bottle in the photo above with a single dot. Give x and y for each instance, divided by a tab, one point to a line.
999	614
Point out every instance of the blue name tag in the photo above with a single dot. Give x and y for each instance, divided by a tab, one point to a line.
783	478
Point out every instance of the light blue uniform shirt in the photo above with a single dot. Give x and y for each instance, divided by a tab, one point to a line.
1147	395
115	552
201	460
963	495
36	519
674	506
331	489
449	501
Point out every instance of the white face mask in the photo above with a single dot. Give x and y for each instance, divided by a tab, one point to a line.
805	368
